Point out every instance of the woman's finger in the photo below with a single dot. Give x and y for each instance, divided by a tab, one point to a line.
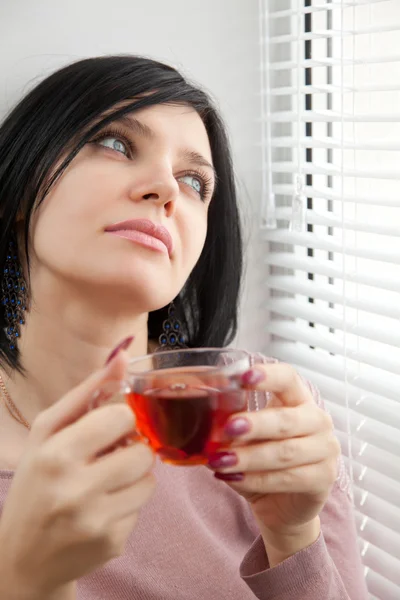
308	479
122	468
75	403
95	432
280	379
129	500
277	455
279	423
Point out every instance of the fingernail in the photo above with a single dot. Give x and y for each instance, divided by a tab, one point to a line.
238	426
124	345
252	377
229	476
219	460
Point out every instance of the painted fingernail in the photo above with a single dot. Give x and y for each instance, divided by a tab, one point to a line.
229	476
238	426
124	345
219	460
252	377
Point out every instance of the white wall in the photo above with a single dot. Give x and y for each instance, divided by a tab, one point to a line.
214	41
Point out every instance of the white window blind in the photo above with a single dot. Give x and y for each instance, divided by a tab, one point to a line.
331	215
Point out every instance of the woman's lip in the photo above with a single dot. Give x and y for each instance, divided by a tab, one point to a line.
145	226
143	239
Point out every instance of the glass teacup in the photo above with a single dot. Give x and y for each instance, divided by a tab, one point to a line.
182	400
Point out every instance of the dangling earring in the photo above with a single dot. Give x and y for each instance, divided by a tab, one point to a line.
13	299
172	337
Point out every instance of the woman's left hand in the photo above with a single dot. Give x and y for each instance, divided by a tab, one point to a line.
284	458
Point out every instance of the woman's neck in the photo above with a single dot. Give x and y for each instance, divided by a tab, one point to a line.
61	345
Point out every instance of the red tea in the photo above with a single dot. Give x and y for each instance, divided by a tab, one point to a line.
184	423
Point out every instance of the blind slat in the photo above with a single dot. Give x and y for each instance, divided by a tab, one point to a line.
325	292
316	168
329	116
328	193
330	219
382	563
328	88
328	243
378	535
331	33
335	320
371	481
368	455
372	406
331	142
287	65
377	509
335	4
312	337
302	356
383	439
290	260
381	587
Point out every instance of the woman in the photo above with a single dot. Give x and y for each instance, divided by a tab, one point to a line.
117	198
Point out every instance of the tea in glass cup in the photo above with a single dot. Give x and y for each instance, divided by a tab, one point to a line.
183	398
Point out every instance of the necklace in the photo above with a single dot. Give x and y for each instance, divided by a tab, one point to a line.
12	409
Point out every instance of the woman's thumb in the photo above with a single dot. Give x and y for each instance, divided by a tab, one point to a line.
76	402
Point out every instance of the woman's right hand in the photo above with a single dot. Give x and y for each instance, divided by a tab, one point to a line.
72	506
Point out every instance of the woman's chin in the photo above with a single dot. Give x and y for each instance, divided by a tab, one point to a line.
147	293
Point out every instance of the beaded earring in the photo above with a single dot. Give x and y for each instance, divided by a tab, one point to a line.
14	297
171	337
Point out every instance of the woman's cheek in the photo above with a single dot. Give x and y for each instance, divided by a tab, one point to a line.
196	240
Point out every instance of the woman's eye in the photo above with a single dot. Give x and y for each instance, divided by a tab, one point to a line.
115	144
194	182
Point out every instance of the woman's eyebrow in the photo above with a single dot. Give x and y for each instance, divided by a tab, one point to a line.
197	159
143	130
136	126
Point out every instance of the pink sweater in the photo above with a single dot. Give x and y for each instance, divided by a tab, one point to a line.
197	539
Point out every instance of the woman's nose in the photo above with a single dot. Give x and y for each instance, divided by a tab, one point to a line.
163	190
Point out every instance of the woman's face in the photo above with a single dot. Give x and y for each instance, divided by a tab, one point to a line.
129	215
